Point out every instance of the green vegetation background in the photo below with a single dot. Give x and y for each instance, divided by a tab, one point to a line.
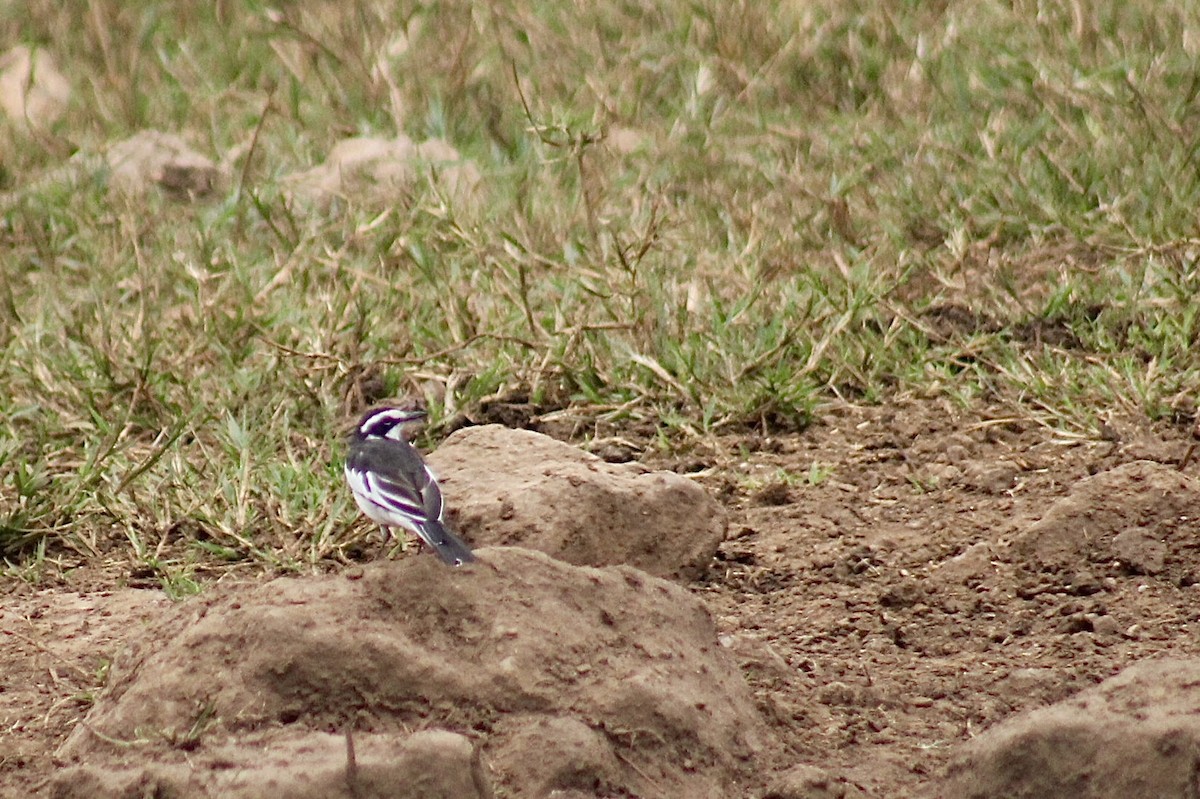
710	215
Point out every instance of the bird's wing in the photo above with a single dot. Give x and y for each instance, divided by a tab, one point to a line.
395	494
396	478
431	496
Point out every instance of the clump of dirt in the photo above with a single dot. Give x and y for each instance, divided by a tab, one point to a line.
151	158
1140	517
382	170
34	92
298	764
520	488
565	677
803	781
1136	734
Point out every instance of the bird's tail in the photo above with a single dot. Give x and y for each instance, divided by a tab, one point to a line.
449	547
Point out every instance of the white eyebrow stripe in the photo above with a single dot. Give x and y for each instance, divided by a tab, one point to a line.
388	422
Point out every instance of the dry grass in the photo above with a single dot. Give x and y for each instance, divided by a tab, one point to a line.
702	214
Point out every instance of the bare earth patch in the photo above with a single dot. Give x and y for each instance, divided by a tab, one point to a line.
895	581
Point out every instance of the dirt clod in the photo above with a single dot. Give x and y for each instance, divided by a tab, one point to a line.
383	170
33	90
810	782
566	677
151	158
430	764
1135	734
1141	513
517	487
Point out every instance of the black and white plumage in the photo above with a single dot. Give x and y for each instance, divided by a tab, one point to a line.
393	486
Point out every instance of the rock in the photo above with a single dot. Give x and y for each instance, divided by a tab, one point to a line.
903	594
973	562
430	764
1142	513
1140	552
757	659
566	755
809	782
625	140
773	494
33	91
151	158
990	477
382	169
1041	684
1135	734
591	674
520	488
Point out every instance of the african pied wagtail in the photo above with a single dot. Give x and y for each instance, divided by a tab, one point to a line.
393	486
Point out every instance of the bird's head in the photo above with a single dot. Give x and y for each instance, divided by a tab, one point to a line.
387	422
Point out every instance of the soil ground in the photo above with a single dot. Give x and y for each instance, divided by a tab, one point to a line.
867	588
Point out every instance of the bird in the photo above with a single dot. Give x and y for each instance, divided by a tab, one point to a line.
393	486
